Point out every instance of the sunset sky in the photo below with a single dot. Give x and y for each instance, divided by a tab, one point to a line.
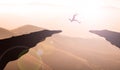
54	14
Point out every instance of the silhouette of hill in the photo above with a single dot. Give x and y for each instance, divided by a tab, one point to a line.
5	33
76	53
111	36
14	47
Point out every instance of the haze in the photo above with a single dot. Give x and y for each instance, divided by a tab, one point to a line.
18	17
54	14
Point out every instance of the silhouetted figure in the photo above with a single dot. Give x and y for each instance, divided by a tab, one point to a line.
111	36
74	19
14	47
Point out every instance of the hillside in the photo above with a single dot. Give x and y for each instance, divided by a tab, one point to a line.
4	33
26	29
60	52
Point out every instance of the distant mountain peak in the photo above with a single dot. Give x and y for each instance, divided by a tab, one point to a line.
4	33
26	29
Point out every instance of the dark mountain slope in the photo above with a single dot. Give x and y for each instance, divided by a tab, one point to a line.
14	47
111	36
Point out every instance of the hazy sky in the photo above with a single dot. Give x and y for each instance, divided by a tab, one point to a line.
54	14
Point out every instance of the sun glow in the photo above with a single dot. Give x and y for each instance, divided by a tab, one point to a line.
91	10
55	14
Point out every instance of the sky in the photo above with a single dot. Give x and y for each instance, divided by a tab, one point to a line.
54	14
